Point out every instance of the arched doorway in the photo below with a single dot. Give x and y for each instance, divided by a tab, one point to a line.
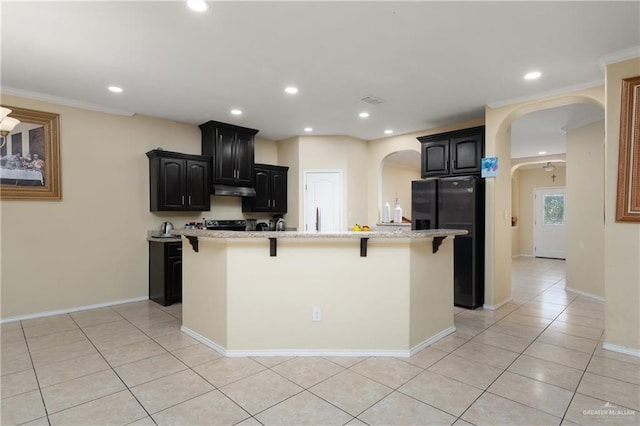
397	170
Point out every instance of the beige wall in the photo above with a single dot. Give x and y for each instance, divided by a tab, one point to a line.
585	209
396	181
528	180
90	248
498	191
622	240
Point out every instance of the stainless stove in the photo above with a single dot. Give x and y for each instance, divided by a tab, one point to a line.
226	225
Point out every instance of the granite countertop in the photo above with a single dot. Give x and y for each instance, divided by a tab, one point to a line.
430	233
157	236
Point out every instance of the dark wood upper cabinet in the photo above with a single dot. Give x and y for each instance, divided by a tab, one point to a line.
453	153
270	183
232	149
178	182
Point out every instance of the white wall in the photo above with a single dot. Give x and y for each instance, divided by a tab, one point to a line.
585	209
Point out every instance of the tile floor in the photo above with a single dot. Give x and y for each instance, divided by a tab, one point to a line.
537	360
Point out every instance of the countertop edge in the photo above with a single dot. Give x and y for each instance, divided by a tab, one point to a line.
431	233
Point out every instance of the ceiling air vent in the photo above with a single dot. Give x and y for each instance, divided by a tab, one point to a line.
373	100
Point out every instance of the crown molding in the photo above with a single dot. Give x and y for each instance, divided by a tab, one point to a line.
63	101
622	55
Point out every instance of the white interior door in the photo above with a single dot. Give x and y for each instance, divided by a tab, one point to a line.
323	201
549	228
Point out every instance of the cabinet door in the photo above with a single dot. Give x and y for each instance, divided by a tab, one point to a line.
435	158
466	154
244	156
174	279
171	184
198	197
279	191
262	201
224	167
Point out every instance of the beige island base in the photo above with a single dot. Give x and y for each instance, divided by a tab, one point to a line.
293	294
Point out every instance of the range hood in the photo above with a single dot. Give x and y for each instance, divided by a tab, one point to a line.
236	191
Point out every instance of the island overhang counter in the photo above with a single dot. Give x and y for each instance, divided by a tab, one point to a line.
385	293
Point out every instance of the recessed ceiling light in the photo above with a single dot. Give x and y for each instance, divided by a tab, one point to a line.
291	90
115	89
363	115
308	129
388	132
542	152
532	75
197	5
236	112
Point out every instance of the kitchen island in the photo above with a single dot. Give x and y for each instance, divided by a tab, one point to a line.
386	293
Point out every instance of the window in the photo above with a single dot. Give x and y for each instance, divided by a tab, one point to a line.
554	209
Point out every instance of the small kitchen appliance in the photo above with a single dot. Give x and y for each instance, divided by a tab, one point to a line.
166	228
226	225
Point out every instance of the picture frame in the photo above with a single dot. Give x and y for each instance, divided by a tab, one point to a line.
35	174
628	187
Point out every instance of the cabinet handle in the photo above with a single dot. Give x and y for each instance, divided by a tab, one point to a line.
183	200
273	204
179	249
189	199
446	165
268	203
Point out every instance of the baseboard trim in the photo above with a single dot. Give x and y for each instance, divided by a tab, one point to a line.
621	349
69	310
316	352
584	293
496	306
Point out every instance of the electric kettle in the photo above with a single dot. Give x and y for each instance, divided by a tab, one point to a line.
166	228
280	225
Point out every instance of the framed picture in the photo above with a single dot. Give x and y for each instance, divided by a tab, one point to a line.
628	198
30	157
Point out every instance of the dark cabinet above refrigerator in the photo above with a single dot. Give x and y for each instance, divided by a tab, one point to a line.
453	153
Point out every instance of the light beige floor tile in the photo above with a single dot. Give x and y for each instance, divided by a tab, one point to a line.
466	331
568	341
351	392
17	383
303	409
616	355
118	408
615	369
78	391
547	307
162	329
586	321
12	336
517	330
399	409
21	408
390	372
503	341
56	339
486	354
145	421
196	354
271	361
62	371
467	371
446	394
10	326
493	410
53	324
133	352
148	369
16	363
307	371
95	317
14	348
260	391
212	408
576	330
474	319
542	396
547	371
170	390
528	320
426	357
151	317
114	327
61	353
42	421
588	411
612	390
345	361
249	422
174	341
228	370
559	355
116	340
449	343
538	312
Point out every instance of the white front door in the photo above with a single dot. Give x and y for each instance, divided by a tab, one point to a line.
549	228
323	201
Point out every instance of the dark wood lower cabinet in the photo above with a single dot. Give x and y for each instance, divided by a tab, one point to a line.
165	272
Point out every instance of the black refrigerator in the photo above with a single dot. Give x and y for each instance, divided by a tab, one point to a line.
456	203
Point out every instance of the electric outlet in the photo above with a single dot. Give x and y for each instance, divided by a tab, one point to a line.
316	314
